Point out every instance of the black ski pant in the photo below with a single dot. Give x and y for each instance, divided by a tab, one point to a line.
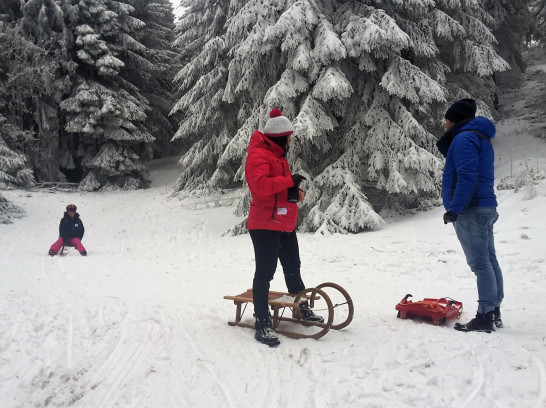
268	247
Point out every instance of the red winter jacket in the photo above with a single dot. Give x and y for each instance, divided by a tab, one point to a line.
268	178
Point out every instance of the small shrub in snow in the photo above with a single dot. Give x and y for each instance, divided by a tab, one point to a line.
89	183
8	211
526	179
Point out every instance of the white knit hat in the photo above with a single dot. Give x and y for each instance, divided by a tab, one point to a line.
277	125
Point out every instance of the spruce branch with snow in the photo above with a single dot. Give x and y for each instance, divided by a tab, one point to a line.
14	170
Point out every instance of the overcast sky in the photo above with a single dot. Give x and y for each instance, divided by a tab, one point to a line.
177	11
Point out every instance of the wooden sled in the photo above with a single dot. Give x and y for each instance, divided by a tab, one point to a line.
281	301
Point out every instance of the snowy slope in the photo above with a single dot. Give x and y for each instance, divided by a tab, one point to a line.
141	321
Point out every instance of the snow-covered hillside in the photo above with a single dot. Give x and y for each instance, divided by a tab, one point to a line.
141	321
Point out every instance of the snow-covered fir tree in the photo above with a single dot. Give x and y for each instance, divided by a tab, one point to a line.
470	54
14	170
365	83
512	24
104	137
86	85
538	10
206	124
153	72
43	23
27	72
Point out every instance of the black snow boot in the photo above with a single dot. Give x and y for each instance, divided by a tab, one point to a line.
52	252
483	322
265	334
308	315
269	319
497	318
83	253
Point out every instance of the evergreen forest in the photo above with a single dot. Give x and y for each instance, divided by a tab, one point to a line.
92	90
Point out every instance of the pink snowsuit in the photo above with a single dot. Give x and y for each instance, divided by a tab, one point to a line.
57	245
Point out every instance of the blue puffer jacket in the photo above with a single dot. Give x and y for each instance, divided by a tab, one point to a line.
469	178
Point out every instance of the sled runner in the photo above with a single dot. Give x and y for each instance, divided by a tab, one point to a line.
65	248
281	302
438	310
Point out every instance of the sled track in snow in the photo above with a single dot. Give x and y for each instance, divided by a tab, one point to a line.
541	399
227	397
48	279
64	282
477	383
124	360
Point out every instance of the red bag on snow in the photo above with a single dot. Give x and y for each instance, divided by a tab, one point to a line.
439	310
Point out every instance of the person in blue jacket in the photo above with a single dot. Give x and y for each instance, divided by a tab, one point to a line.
471	205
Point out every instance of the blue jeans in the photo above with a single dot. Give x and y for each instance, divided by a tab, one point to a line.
474	228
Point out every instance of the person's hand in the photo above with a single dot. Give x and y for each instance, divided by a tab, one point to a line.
302	195
450	216
297	179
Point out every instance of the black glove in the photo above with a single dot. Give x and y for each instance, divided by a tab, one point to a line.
293	194
297	179
450	216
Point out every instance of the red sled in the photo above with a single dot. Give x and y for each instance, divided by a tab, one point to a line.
439	310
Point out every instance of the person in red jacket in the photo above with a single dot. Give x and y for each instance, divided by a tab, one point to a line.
272	219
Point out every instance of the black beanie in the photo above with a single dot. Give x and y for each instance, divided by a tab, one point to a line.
461	110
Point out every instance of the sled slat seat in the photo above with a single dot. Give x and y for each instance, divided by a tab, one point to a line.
279	299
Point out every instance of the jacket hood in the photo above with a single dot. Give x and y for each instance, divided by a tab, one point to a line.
480	124
259	141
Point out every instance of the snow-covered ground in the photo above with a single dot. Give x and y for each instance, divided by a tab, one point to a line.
141	321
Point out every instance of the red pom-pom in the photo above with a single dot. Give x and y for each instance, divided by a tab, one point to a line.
275	112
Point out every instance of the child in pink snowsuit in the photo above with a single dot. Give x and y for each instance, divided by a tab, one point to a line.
70	232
